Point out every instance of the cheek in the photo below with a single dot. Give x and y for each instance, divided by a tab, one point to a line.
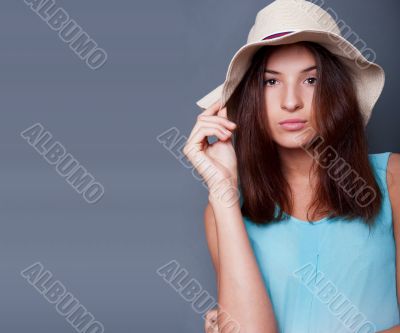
308	95
272	119
272	116
309	101
272	104
271	97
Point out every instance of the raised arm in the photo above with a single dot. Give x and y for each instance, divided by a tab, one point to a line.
244	305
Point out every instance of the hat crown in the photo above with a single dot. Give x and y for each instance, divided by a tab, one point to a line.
291	15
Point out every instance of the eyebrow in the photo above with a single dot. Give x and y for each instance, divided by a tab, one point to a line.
303	71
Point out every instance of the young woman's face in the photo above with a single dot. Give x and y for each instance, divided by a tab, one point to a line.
289	83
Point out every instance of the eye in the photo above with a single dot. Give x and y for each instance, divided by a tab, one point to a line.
311	80
270	82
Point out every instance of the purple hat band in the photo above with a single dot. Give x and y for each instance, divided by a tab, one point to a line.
279	34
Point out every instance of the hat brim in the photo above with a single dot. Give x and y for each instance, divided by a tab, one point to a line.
369	76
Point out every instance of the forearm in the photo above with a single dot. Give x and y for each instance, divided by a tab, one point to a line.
241	292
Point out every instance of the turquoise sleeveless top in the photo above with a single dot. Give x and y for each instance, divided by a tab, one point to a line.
334	275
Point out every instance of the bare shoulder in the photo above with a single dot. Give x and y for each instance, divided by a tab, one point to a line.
393	174
393	181
211	235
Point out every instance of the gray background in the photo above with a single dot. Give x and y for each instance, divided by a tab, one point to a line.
163	56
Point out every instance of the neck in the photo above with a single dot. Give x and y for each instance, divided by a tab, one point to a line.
296	162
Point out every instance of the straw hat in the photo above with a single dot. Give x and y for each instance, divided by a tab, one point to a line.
291	21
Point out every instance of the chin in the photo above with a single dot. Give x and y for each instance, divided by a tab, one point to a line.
293	140
288	145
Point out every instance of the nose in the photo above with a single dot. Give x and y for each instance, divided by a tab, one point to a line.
291	99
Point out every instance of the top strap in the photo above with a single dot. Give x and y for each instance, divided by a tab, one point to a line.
379	163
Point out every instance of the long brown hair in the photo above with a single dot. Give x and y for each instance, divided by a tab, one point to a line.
339	122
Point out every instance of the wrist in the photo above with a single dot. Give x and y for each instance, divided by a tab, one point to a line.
224	193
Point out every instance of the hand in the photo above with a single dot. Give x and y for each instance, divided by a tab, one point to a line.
216	162
211	324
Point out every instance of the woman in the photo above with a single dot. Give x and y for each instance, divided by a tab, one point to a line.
308	244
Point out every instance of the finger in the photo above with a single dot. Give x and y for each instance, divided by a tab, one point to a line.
216	124
201	123
211	321
203	132
212	314
207	323
210	327
210	121
213	109
196	129
223	112
220	120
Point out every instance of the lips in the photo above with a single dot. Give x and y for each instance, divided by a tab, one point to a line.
293	120
294	124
